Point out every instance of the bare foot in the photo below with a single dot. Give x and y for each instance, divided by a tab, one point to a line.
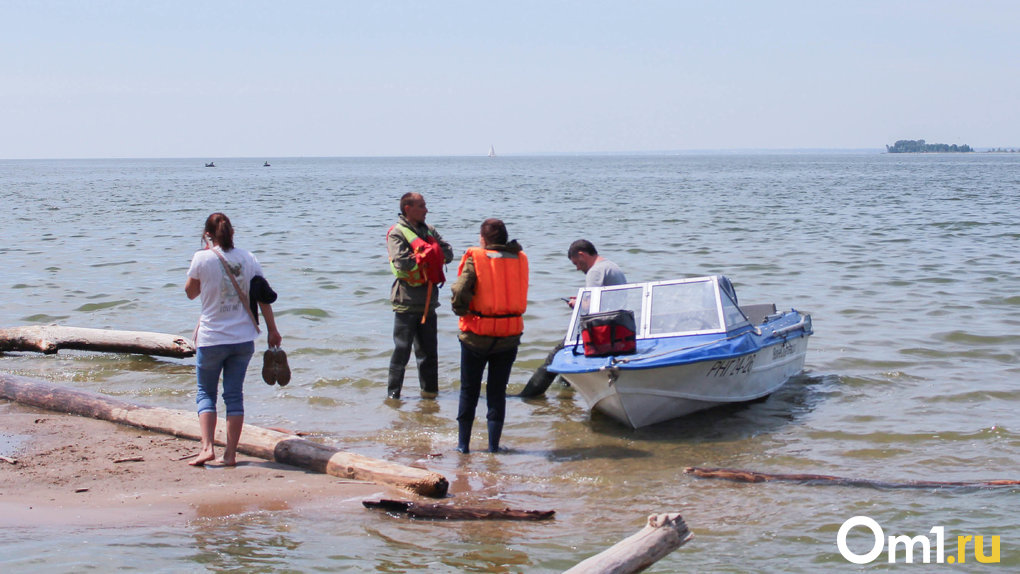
202	458
227	461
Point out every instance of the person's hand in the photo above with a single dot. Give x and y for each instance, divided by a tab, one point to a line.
571	302
275	339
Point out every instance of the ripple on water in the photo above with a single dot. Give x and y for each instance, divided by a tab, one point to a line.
311	313
90	307
44	318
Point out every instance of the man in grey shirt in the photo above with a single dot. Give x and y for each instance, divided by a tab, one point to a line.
598	272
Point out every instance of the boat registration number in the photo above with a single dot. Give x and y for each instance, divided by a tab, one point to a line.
731	367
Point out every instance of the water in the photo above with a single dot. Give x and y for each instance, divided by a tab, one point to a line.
908	264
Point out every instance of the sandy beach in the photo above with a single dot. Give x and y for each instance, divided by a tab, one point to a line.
76	470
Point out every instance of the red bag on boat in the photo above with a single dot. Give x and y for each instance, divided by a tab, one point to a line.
608	333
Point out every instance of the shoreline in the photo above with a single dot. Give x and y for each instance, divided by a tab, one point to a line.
74	470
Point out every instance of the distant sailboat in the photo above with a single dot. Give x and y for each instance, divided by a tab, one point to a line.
492	151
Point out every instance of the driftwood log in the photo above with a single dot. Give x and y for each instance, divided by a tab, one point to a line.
51	338
752	476
663	534
447	512
255	441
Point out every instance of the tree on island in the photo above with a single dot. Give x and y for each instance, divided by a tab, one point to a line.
918	146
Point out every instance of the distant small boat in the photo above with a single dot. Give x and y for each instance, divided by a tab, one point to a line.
210	164
265	164
492	151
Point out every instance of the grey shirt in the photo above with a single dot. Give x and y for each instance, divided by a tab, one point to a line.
603	274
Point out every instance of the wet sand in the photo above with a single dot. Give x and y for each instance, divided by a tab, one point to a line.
77	470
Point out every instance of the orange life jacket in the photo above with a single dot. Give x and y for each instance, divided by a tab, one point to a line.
501	293
428	255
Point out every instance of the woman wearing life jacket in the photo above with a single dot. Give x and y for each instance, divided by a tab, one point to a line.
490	297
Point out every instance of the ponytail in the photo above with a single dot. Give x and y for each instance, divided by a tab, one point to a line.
219	228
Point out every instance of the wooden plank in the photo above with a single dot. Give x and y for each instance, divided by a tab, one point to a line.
738	475
255	441
450	512
662	534
49	339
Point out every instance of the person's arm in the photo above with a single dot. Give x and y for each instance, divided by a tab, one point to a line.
464	289
192	287
447	249
273	333
399	251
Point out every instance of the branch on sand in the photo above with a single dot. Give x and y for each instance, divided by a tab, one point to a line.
255	441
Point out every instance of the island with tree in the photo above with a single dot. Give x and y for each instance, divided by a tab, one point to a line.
919	146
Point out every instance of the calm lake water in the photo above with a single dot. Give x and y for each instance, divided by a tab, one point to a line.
908	264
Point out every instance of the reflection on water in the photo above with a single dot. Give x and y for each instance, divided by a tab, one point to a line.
908	266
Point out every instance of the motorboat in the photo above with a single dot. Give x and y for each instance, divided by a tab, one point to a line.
210	164
693	347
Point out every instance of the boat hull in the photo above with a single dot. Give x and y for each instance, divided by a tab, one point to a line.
640	397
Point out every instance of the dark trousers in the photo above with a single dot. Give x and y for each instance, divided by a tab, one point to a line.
472	364
408	332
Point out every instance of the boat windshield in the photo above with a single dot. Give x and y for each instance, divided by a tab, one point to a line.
684	307
599	299
667	308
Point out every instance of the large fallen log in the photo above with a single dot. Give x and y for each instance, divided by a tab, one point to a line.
49	339
663	534
448	512
255	441
752	476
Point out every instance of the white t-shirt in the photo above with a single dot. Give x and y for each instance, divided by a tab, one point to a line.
224	320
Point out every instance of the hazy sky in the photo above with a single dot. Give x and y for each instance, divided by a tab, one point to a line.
211	79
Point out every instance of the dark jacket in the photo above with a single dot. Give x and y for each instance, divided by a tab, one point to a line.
259	291
405	298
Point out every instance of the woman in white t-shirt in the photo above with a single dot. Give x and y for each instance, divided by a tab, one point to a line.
225	340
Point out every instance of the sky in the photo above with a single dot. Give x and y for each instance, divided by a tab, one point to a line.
201	79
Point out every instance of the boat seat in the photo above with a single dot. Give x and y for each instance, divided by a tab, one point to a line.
756	313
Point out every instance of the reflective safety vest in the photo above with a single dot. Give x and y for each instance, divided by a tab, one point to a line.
428	255
501	293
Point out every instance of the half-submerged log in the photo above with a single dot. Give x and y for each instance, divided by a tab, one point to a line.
448	512
813	479
255	441
49	339
663	534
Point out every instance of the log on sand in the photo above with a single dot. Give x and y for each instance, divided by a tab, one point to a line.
663	534
448	512
752	476
51	338
255	441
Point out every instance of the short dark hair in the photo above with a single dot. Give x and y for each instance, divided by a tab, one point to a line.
579	246
407	199
494	232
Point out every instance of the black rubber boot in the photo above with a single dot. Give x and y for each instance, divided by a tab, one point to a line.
395	383
495	432
464	436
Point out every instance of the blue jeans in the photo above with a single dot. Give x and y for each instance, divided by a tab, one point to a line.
231	360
